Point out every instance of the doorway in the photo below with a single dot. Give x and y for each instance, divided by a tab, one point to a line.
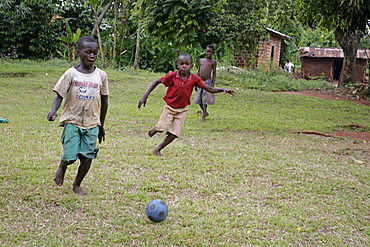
338	64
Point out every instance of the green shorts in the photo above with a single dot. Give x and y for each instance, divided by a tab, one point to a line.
77	141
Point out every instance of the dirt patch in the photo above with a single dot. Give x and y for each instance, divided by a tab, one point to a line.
324	95
354	95
362	136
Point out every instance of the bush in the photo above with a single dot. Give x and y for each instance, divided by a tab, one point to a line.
253	79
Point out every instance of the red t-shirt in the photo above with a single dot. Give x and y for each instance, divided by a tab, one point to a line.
179	92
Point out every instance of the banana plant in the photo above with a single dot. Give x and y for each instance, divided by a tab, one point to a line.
71	39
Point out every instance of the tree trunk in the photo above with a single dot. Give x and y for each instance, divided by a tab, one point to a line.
99	39
101	17
124	30
137	51
114	33
349	42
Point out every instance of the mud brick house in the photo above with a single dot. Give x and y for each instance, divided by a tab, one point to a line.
328	63
267	54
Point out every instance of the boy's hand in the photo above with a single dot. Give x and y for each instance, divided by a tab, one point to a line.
101	135
142	101
232	92
51	116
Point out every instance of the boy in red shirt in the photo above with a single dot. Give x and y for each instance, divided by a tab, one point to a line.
180	86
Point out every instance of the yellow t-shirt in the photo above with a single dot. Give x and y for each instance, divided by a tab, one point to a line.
81	94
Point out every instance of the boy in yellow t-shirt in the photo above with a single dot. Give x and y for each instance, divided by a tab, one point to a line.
85	90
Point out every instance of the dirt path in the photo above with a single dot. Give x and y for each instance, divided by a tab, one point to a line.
361	136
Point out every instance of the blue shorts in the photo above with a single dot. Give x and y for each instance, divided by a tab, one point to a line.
77	141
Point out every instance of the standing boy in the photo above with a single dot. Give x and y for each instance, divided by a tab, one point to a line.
207	72
288	66
85	90
180	86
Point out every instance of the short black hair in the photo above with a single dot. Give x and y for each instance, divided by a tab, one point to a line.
84	39
186	55
211	47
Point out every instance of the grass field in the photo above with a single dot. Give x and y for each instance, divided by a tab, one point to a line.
242	178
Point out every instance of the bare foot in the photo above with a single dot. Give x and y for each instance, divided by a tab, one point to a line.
157	152
204	116
77	189
59	176
152	132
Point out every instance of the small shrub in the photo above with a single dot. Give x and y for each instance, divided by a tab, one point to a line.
253	79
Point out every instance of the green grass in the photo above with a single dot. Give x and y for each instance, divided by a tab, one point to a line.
242	178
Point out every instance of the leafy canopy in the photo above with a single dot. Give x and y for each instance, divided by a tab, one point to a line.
341	15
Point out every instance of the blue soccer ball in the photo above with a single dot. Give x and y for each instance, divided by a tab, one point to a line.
156	210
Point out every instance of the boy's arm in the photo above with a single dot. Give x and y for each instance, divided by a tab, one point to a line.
103	114
54	108
199	67
150	89
198	73
103	108
217	90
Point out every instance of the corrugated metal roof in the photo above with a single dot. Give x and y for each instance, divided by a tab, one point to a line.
324	52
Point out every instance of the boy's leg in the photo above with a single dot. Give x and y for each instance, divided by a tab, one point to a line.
152	132
70	140
201	107
169	138
164	121
82	171
205	113
59	175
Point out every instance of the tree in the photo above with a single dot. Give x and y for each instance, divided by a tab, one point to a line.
347	18
240	21
25	29
179	22
102	14
98	20
138	13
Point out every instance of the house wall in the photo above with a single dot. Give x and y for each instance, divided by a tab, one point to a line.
247	59
360	70
268	51
313	67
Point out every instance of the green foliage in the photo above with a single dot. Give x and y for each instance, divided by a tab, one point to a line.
252	79
365	41
178	23
170	27
164	58
30	35
239	21
317	37
35	32
344	15
79	16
